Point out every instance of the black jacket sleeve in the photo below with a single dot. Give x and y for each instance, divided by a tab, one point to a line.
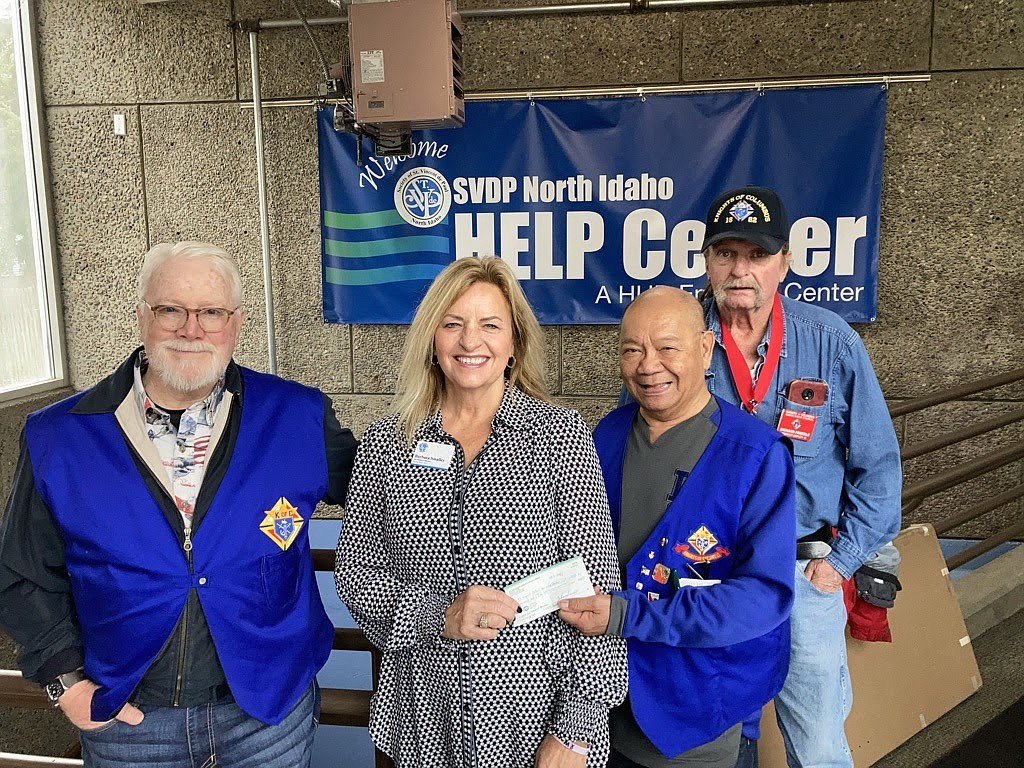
36	607
341	455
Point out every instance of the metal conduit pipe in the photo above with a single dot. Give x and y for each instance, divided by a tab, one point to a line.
537	10
636	6
261	183
645	90
652	90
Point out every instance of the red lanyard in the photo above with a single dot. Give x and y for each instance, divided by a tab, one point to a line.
751	395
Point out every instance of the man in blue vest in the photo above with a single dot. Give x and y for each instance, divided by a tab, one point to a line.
154	551
702	500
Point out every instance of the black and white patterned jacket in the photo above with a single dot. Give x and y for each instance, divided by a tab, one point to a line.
416	537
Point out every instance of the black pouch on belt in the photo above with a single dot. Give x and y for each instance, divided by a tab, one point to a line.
876	587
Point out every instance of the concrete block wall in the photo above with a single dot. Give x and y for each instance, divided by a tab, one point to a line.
952	209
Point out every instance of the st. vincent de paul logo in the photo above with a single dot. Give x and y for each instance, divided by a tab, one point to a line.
423	197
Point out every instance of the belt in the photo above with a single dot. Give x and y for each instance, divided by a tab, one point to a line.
221	692
214	695
816	545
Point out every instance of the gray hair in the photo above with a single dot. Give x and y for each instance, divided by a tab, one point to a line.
219	259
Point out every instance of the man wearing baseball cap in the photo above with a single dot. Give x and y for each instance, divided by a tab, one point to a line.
804	371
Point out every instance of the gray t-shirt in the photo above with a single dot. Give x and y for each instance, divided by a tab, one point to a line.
654	473
652	476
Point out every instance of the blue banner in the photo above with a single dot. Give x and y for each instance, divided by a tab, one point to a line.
594	200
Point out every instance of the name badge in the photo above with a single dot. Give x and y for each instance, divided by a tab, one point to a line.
432	455
797	425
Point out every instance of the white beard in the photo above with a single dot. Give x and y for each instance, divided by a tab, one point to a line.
185	376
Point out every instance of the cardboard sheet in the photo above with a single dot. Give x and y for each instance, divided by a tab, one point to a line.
901	687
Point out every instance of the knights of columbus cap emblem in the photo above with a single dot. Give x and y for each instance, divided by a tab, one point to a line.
702	540
282	523
741	210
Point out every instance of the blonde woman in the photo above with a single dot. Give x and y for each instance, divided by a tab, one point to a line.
475	482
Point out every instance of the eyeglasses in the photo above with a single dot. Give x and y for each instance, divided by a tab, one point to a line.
173	318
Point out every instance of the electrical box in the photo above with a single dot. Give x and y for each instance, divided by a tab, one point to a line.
406	64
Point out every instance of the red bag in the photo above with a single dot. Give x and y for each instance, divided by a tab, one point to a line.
866	621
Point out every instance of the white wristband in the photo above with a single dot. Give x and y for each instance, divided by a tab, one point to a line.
572	746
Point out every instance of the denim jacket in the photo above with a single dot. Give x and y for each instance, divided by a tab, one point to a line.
848	474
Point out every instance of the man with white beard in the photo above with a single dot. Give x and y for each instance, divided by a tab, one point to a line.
154	558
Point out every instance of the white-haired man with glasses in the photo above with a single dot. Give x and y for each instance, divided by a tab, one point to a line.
154	558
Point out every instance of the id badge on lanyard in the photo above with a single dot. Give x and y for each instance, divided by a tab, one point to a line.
799	425
796	425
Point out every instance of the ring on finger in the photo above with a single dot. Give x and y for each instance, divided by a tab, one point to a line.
483	621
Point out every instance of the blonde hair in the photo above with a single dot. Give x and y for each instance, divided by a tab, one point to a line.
421	382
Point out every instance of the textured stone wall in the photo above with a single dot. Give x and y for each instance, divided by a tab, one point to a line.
952	218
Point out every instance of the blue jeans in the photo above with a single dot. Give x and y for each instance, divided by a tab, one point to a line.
206	736
747	757
816	697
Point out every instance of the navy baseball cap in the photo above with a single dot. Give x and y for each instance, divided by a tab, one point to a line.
754	214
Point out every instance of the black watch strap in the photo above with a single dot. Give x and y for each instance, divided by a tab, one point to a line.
56	687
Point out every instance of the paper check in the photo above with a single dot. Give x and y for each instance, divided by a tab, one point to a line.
538	594
699	582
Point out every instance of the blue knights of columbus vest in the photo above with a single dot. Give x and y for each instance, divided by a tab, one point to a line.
129	574
684	697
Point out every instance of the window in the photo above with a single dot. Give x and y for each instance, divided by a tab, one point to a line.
31	351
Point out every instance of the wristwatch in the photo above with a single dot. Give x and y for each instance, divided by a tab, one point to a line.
55	689
572	746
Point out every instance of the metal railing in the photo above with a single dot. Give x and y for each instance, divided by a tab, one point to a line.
916	493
